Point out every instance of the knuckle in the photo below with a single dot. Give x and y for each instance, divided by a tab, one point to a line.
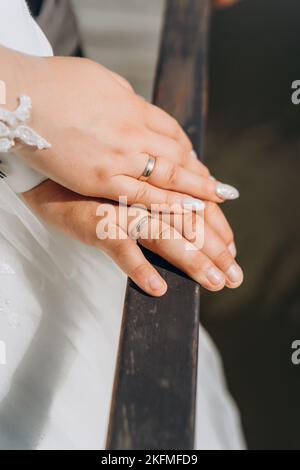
208	187
181	137
181	154
129	131
228	235
214	212
195	265
138	271
142	194
132	142
187	145
211	208
164	232
184	140
168	199
125	83
174	122
102	172
223	259
177	132
119	248
159	233
171	175
205	171
192	226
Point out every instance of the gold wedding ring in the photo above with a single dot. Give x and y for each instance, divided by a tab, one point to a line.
148	169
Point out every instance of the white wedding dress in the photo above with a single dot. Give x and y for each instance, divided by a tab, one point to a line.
60	312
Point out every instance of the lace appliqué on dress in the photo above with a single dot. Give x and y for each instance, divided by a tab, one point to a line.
12	127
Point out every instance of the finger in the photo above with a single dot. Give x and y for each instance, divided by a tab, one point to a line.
196	165
169	175
215	248
215	217
161	122
129	257
122	81
169	244
190	224
152	197
197	230
163	146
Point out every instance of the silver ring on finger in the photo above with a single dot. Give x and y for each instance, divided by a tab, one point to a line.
148	169
135	233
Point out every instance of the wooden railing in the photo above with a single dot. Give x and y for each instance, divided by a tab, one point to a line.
154	396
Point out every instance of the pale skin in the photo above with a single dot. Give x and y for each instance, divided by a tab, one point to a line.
115	134
100	128
213	266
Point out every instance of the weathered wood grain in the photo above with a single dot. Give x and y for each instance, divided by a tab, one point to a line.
153	404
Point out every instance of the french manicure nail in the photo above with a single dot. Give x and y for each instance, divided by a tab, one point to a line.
234	273
213	178
225	191
155	283
232	249
193	204
194	154
215	276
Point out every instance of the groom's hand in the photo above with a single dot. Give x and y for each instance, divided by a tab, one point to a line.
209	258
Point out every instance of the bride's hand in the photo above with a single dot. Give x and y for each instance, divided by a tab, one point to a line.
102	135
209	259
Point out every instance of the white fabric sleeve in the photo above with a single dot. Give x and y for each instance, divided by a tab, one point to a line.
19	31
19	176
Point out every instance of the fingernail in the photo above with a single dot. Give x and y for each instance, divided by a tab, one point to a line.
234	273
232	249
194	154
225	191
213	178
215	276
193	204
155	283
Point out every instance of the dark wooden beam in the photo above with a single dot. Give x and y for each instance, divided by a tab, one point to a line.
153	404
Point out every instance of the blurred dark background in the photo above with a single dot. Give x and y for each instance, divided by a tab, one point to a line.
253	142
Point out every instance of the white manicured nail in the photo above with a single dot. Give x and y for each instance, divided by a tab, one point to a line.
225	191
213	178
232	249
193	204
194	154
